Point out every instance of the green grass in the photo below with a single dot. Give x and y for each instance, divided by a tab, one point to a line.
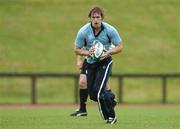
38	35
128	118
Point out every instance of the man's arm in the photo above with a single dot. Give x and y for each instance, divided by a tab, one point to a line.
115	50
83	52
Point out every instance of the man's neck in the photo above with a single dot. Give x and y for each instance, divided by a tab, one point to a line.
97	30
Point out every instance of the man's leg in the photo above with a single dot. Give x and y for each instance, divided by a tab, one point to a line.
108	89
105	98
83	94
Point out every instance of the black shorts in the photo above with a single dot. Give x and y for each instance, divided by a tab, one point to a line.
84	67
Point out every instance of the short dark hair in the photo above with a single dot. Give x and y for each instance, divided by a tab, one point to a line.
96	9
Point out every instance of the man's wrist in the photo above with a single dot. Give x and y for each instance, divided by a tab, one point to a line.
88	53
109	52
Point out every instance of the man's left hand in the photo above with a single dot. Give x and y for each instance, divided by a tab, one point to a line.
106	54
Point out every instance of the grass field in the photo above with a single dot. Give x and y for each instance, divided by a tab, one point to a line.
38	35
129	117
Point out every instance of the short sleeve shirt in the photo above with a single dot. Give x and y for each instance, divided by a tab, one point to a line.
107	36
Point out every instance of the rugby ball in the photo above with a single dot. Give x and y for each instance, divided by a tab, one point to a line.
98	50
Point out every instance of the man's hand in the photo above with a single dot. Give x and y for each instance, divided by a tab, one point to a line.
91	51
83	52
112	51
106	54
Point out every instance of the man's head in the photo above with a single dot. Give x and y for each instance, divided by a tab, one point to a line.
96	16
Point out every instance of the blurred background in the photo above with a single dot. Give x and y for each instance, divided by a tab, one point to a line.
37	36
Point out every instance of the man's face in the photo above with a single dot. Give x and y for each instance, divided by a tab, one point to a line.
96	20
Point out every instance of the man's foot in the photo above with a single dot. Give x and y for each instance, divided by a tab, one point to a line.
111	120
79	113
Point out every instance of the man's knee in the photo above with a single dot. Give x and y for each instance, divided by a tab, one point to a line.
82	85
82	82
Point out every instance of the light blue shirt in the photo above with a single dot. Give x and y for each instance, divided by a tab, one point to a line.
107	36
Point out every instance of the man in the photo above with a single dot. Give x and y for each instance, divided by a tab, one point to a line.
97	71
83	91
